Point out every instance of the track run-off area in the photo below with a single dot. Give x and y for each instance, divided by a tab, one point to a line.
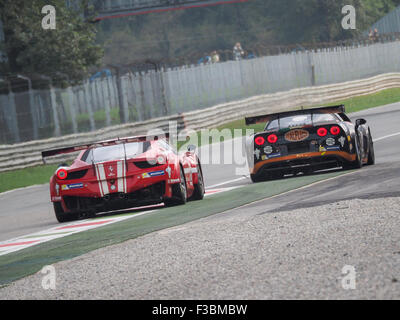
26	215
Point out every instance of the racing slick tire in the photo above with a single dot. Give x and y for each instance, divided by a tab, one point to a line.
254	178
61	215
371	152
179	192
199	188
357	164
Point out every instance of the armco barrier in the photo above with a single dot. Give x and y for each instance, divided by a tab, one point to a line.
29	154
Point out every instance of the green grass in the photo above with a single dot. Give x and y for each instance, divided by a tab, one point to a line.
26	177
41	174
370	101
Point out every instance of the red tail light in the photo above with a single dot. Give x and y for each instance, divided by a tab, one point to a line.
62	174
259	141
273	138
335	130
322	132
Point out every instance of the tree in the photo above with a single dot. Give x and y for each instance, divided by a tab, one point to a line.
70	49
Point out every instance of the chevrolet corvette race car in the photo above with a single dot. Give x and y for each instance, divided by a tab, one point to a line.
123	173
307	140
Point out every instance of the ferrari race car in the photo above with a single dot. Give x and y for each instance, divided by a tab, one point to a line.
307	140
121	174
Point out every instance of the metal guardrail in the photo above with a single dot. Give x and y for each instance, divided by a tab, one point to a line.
28	154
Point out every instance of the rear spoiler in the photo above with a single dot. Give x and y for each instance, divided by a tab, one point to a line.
268	117
53	152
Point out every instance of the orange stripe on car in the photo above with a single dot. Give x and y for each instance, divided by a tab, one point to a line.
342	154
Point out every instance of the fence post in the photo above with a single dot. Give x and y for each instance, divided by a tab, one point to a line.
88	103
31	107
13	114
71	103
57	131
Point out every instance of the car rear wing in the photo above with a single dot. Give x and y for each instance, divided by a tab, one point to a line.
268	117
70	149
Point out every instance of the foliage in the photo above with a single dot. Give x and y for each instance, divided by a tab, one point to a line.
70	49
197	32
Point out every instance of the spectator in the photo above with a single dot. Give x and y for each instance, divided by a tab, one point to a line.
238	51
376	35
214	57
371	35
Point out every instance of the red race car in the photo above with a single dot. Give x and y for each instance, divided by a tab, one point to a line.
121	174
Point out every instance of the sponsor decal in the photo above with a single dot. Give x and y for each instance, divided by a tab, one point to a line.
342	141
274	155
257	153
322	149
297	135
75	186
268	149
72	186
174	181
264	157
330	141
333	148
55	198
153	174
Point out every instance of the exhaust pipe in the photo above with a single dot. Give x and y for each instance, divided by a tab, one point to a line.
122	196
107	197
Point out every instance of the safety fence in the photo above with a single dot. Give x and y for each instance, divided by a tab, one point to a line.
32	110
29	153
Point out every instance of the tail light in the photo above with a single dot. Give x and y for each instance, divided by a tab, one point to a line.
335	130
259	141
273	138
322	132
62	174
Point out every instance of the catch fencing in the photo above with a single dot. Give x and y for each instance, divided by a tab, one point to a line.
31	112
29	153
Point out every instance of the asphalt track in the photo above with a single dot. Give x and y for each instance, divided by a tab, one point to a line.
29	210
318	236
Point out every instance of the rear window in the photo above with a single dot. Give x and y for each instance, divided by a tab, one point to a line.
115	152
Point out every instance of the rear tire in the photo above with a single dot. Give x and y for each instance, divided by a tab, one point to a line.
254	178
357	164
199	188
61	215
179	192
371	152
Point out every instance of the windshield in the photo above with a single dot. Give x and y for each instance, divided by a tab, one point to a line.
299	120
115	152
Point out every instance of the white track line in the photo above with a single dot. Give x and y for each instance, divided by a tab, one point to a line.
227	182
388	136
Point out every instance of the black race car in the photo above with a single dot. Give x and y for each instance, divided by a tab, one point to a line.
308	140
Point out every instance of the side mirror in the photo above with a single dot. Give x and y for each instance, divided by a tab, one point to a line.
191	148
360	122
